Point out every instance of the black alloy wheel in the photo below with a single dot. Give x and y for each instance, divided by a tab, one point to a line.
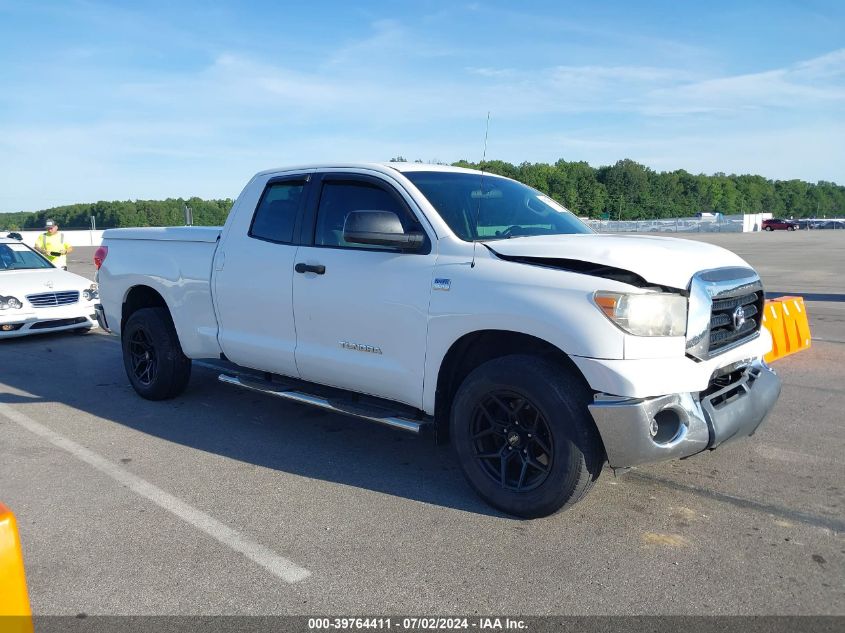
523	434
143	357
512	441
152	355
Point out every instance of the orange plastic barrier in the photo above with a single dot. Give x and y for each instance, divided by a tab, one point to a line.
15	614
786	319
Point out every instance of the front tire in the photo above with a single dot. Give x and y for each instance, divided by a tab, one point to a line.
524	437
152	355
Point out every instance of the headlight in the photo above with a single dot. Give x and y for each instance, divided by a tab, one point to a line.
646	314
10	303
91	293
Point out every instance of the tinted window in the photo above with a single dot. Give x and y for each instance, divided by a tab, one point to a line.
339	198
492	208
276	213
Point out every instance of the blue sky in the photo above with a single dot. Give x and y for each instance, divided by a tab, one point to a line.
126	100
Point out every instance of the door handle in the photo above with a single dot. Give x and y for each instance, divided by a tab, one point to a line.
302	267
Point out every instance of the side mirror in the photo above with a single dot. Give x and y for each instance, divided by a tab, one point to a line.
380	228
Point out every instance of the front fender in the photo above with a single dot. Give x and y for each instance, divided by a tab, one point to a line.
552	305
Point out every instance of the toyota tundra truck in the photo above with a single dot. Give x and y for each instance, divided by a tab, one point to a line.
454	303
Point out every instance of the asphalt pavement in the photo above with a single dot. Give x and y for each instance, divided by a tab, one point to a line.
227	502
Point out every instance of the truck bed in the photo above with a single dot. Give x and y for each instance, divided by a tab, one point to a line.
175	263
167	233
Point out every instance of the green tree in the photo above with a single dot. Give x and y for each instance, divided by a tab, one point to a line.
638	191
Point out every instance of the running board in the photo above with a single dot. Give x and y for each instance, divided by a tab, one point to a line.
356	409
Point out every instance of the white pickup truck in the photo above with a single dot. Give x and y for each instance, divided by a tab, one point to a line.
467	304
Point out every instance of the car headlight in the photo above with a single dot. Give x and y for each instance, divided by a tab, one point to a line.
91	293
645	314
10	303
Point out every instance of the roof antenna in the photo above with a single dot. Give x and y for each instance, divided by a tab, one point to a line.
481	192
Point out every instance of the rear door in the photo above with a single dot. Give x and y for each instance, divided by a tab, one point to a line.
361	310
253	277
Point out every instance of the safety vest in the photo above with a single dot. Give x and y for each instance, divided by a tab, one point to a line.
53	243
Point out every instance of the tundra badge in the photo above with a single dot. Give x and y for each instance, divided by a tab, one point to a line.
360	348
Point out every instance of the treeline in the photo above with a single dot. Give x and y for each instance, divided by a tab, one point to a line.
633	191
170	212
626	190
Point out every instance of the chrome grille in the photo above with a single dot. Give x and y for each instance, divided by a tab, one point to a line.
723	330
53	299
715	323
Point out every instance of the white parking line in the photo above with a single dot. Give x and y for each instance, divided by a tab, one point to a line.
277	565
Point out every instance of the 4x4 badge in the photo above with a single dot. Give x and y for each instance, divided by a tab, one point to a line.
442	284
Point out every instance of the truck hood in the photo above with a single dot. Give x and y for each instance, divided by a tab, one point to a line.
664	261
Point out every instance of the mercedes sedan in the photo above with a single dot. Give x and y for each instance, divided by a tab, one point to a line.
35	296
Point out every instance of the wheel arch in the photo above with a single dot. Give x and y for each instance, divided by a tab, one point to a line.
139	297
475	348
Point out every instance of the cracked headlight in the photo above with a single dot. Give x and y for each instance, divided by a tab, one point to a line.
10	303
645	314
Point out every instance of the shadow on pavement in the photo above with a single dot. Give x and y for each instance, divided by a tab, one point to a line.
86	373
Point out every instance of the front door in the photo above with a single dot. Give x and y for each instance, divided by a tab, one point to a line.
361	311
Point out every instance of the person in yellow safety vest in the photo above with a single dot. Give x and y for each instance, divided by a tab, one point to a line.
53	246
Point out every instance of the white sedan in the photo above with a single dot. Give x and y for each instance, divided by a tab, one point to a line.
35	296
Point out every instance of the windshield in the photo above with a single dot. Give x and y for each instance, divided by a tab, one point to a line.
503	208
20	257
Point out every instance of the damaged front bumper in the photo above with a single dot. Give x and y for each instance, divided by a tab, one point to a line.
641	430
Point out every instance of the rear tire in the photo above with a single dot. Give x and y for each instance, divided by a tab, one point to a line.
524	436
768	228
152	355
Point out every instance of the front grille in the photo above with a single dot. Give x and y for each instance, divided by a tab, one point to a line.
723	328
53	299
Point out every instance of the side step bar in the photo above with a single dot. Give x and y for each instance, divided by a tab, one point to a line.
355	409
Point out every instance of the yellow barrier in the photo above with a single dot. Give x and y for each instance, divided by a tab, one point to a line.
786	319
15	614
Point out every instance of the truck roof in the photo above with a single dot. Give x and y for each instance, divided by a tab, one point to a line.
382	167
